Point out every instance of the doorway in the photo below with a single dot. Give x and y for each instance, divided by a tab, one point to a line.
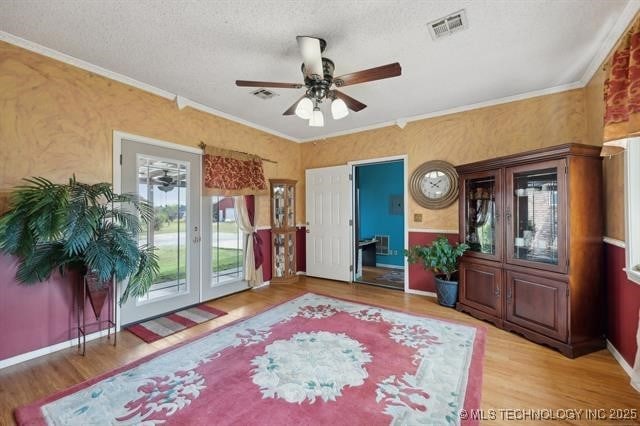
379	223
199	246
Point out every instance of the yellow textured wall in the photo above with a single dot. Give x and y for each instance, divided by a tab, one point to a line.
56	119
461	138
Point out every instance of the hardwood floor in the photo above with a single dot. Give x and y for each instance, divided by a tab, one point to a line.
375	275
518	374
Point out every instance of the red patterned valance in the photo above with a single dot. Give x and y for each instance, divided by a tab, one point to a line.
232	173
622	91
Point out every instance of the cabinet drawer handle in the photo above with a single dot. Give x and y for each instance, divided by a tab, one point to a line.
509	295
497	291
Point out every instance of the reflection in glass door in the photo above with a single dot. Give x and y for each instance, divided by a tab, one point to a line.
481	215
164	185
536	230
223	249
169	180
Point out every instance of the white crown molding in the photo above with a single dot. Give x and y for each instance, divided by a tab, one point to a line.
434	231
614	242
618	357
68	59
184	102
181	101
623	21
48	350
630	10
493	102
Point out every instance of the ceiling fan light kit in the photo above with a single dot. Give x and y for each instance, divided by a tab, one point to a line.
317	118
318	81
339	109
304	108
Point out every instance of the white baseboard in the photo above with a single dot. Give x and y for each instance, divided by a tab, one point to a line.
264	284
48	350
384	265
421	292
618	357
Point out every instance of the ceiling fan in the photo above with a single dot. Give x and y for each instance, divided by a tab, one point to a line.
165	183
318	81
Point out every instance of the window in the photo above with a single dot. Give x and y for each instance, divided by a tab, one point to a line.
227	242
632	201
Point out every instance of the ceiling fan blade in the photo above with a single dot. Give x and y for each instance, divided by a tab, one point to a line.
352	104
292	108
311	55
247	83
377	73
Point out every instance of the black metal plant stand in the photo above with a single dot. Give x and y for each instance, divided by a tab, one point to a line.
110	321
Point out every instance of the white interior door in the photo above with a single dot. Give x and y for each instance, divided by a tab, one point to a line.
170	180
328	209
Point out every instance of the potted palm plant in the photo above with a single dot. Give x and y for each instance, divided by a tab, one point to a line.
442	259
82	227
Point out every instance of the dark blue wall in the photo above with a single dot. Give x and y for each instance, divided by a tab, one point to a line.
377	184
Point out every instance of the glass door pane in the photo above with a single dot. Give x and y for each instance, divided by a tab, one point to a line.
480	215
535	216
279	258
227	242
169	180
278	196
163	184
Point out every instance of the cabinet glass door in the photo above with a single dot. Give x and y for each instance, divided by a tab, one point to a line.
278	196
481	214
535	234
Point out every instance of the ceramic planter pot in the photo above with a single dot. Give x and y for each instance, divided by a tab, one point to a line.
447	292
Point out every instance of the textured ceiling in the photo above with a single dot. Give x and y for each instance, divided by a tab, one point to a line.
197	49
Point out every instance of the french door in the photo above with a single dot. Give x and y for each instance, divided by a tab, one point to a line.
169	180
198	242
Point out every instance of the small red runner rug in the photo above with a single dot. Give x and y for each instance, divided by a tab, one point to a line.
314	360
157	328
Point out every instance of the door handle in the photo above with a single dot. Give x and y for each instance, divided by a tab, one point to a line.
509	295
497	292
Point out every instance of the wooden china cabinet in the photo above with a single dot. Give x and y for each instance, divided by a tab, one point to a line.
283	230
534	223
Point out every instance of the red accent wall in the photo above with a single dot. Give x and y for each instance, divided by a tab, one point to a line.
419	278
301	249
623	303
38	315
265	236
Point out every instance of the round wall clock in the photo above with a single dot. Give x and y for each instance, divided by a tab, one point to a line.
434	184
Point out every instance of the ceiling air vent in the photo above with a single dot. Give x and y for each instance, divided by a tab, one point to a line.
448	25
264	94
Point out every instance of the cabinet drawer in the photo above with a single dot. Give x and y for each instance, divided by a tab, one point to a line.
538	304
481	288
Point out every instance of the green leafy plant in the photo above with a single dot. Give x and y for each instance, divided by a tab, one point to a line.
440	257
78	226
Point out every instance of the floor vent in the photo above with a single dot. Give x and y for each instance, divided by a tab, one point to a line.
382	245
264	94
448	25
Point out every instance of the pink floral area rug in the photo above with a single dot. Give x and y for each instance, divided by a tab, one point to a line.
314	360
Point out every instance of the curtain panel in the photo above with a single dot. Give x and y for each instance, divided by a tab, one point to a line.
622	92
245	217
231	173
